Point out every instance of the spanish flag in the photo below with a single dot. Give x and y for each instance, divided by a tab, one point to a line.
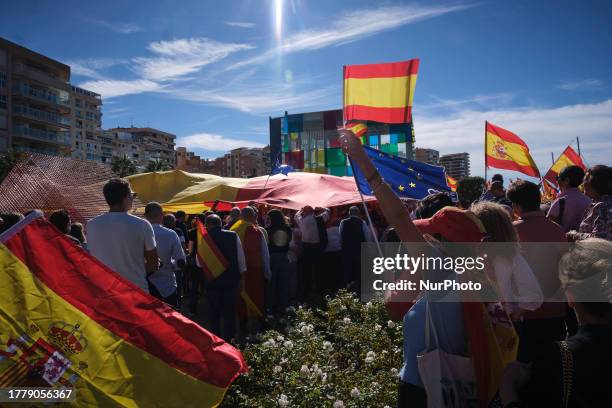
209	257
67	320
380	92
358	128
254	285
505	150
452	183
569	157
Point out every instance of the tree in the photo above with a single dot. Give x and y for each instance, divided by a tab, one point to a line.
7	162
123	166
469	189
157	165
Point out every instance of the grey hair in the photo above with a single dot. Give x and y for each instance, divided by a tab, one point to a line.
587	270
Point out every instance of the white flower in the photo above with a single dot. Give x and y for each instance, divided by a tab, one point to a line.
324	378
368	360
283	401
368	305
386	406
377	327
280	338
394	371
346	320
374	384
307	329
283	360
338	404
327	346
304	370
270	343
355	393
371	354
390	324
277	369
288	344
343	308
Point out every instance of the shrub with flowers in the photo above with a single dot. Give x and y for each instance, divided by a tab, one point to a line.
345	355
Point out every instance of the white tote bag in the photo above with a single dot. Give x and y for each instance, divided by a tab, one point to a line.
449	379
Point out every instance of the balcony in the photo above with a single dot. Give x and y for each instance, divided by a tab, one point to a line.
48	136
40	95
38	75
30	149
40	115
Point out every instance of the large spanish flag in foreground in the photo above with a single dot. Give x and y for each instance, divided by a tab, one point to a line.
505	150
66	320
380	92
569	157
209	256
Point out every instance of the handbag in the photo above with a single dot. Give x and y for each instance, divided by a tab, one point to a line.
449	379
567	365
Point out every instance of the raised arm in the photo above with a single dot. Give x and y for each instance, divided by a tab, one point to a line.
390	204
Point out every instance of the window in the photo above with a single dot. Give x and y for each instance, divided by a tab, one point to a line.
2	101
2	121
2	80
2	57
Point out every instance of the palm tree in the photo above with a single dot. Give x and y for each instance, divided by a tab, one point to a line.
156	165
123	166
7	162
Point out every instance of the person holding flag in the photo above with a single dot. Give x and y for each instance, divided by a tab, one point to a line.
220	255
492	340
257	256
567	210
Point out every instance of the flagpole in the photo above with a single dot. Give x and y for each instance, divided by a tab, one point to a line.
578	145
365	209
484	187
270	174
552	157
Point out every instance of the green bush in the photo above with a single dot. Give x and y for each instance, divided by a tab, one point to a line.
346	355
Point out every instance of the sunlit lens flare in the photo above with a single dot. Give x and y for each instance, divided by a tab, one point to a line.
278	19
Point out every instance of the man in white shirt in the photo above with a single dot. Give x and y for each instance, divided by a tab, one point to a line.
122	241
312	228
170	251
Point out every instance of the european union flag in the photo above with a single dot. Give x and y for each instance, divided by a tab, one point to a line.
279	168
407	178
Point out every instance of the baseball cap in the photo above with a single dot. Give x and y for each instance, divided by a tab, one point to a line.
454	224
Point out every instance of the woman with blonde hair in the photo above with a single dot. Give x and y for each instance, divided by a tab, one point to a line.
518	286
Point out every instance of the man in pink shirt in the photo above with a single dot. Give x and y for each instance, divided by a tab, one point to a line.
547	323
569	207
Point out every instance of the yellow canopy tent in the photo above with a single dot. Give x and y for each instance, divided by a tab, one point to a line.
179	190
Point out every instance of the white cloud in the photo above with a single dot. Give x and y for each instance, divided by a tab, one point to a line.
581	85
112	88
263	98
214	142
183	56
545	130
90	67
353	26
240	24
121	28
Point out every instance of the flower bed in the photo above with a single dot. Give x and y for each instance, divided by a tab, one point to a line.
346	355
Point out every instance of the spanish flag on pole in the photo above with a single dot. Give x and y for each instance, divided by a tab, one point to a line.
67	320
380	92
569	157
505	150
208	255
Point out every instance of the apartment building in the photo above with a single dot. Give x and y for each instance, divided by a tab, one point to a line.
35	106
190	162
88	142
457	165
247	162
142	145
429	156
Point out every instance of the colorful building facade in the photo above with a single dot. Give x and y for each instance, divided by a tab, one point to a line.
310	141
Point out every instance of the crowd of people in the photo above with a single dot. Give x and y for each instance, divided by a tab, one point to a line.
273	258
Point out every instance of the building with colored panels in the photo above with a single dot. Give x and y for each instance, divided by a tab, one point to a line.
310	141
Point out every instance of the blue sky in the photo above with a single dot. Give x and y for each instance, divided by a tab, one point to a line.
212	72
